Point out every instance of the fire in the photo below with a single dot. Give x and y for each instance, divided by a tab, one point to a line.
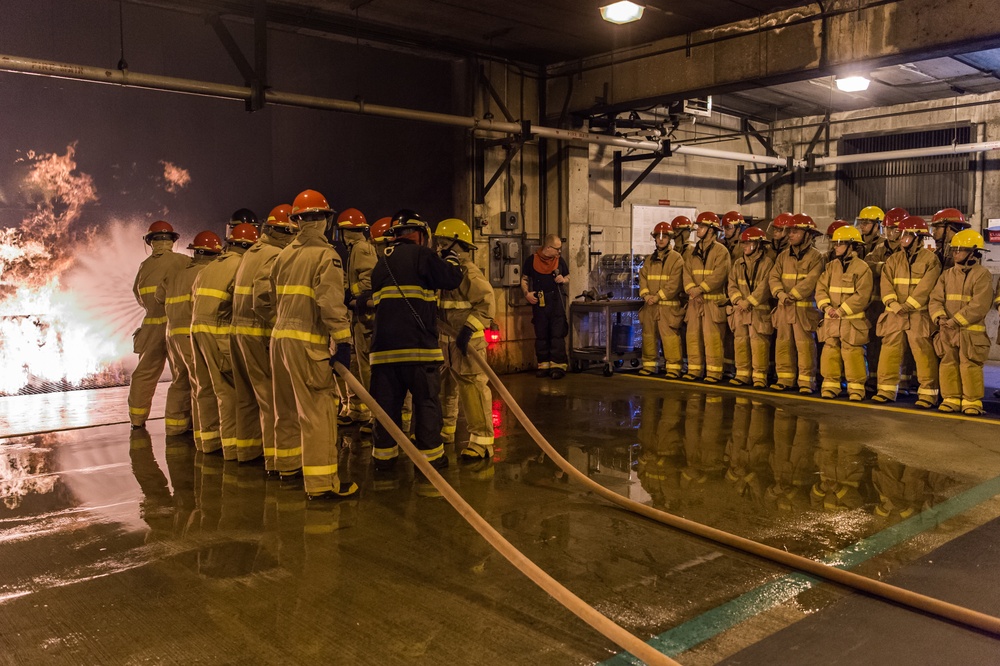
175	177
65	307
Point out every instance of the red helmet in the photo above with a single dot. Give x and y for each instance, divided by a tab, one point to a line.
784	221
837	224
243	234
661	229
803	221
207	242
278	217
893	217
160	227
915	225
310	201
752	234
733	217
352	219
952	216
379	230
681	222
709	219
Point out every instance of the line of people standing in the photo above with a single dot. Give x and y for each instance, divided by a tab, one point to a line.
728	301
252	329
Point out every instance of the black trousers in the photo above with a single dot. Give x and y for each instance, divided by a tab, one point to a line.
389	385
551	329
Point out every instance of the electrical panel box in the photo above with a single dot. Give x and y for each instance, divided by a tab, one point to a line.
505	261
509	220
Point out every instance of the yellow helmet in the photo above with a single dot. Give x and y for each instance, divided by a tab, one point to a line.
873	213
847	233
967	239
455	229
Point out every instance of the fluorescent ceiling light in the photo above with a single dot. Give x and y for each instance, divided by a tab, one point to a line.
852	84
621	12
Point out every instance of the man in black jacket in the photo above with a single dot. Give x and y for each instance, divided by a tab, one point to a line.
405	352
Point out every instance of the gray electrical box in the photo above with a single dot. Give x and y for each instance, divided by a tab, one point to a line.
509	220
505	261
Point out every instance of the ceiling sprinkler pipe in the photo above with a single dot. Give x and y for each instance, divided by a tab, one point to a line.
955	149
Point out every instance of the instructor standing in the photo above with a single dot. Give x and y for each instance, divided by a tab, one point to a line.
543	277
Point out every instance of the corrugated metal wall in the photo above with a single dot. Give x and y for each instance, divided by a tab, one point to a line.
922	185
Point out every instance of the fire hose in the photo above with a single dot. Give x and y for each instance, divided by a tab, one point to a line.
556	590
898	595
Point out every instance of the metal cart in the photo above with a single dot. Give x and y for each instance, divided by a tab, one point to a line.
583	314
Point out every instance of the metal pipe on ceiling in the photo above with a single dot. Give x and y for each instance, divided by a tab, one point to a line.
128	78
956	149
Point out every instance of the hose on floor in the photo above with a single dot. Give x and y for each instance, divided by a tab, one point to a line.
556	590
875	588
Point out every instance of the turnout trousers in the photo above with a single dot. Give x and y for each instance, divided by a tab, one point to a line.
840	358
254	406
795	349
215	393
891	358
150	343
179	417
660	324
462	382
752	351
390	383
704	340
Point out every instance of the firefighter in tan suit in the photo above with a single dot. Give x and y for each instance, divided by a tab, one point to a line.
793	282
312	321
468	310
253	316
175	295
361	260
842	294
662	316
908	278
750	295
959	304
211	324
706	271
945	224
150	339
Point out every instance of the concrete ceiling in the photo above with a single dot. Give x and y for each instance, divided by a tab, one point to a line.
966	74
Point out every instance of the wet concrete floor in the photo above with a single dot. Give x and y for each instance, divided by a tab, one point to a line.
124	547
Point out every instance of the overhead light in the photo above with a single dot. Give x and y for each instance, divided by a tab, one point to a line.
621	12
852	84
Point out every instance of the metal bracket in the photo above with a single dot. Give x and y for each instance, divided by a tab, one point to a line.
619	195
824	127
761	139
253	76
775	176
511	145
494	95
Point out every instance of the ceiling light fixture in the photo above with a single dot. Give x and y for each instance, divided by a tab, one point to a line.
852	84
621	12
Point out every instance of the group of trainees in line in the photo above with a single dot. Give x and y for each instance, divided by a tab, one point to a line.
893	296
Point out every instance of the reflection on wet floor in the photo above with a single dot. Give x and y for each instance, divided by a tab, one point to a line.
135	530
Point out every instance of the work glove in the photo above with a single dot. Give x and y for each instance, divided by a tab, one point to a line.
342	355
361	304
462	340
783	298
450	256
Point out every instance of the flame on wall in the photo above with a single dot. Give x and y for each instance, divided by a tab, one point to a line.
65	304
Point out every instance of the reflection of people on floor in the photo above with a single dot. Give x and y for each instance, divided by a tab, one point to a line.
792	461
844	474
156	504
904	491
661	456
704	440
750	447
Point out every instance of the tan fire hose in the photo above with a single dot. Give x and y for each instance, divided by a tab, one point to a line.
556	590
850	579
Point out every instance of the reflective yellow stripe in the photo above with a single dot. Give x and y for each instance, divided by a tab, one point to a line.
435	453
251	330
146	290
704	286
803	304
915	280
177	299
714	297
455	305
248	443
288	453
243	291
179	331
151	321
407	356
961	320
137	410
656	278
342	334
913	303
823	303
846	308
958	297
753	301
209	434
214	330
385	454
318	470
176	422
793	276
860	315
214	293
480	439
841	290
304	336
406	291
938	313
701	271
356	288
977	327
449	430
296	290
643	292
675	303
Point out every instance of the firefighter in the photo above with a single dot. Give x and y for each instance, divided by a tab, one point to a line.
175	295
211	324
543	280
242	216
779	233
830	230
750	295
683	230
360	260
150	340
468	310
793	282
733	224
876	258
312	330
959	304
706	270
662	315
843	292
869	223
250	340
944	225
405	352
908	278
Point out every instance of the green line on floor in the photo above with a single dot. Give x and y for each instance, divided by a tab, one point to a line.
682	638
